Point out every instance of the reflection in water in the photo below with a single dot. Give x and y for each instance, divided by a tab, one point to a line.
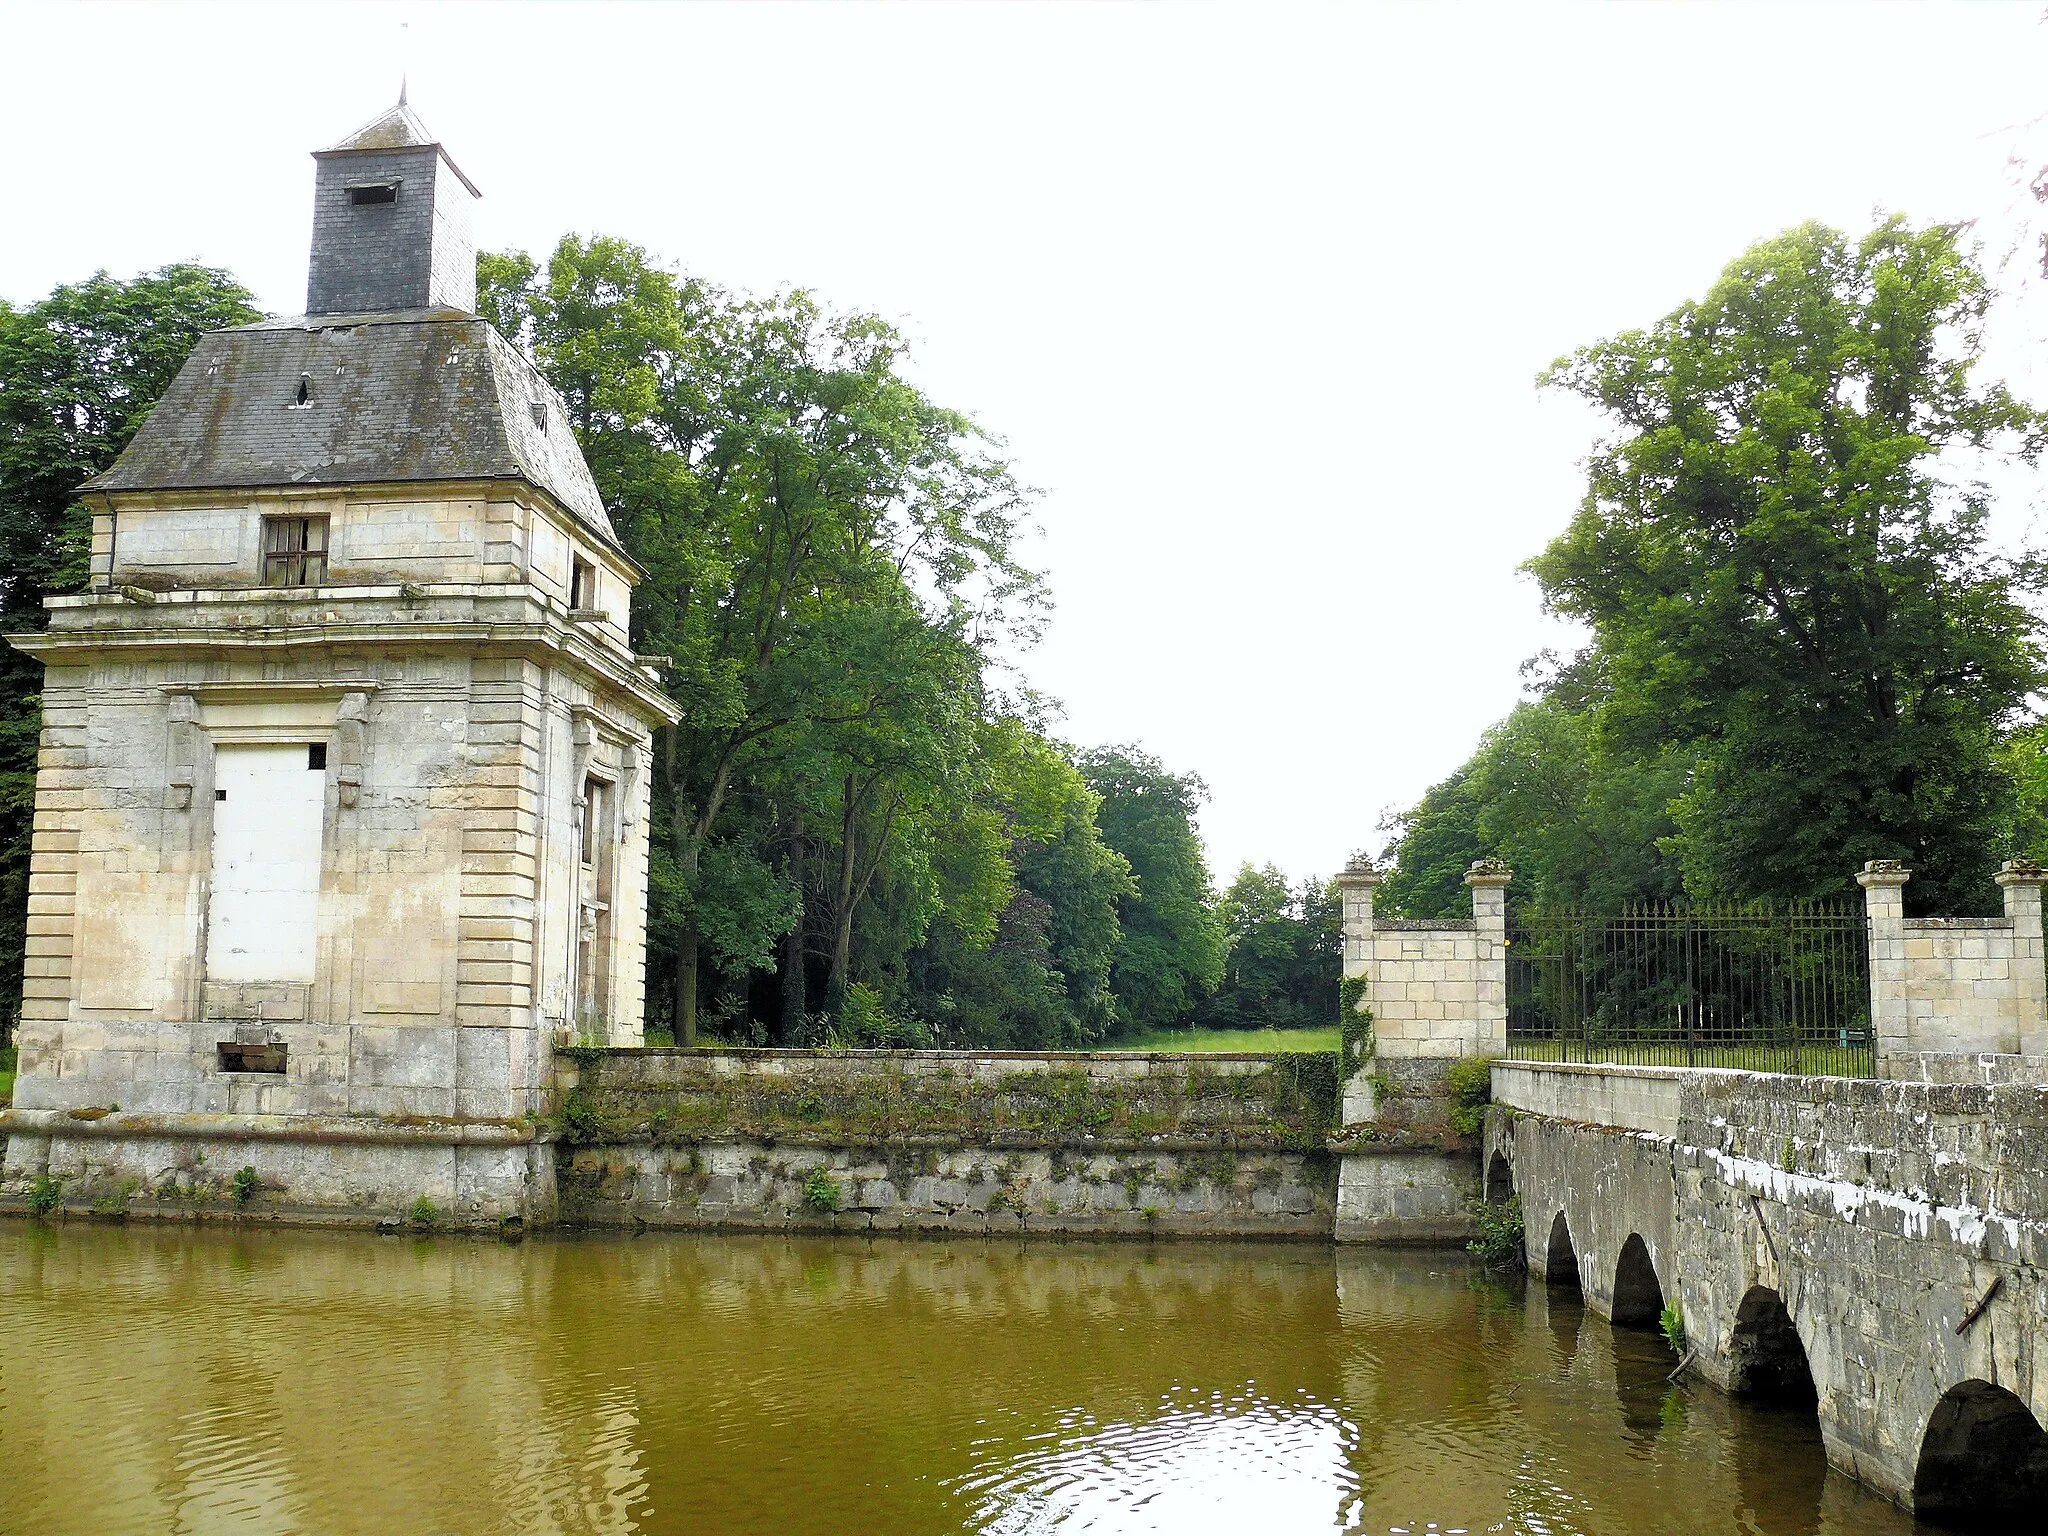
213	1381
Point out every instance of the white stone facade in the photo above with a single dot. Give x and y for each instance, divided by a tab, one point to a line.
462	715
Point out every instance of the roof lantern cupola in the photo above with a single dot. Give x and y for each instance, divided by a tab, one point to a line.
393	222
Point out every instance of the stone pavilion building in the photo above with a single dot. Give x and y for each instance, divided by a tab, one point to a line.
341	812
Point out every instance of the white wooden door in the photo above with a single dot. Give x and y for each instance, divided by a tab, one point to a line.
263	917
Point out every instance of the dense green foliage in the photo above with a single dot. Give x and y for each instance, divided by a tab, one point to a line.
79	370
1805	651
1283	949
1469	1083
860	837
1172	952
1500	1243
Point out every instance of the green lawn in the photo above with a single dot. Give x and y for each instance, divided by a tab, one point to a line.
7	1060
1230	1040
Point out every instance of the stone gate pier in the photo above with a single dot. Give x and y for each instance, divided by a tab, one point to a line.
1876	1247
1427	993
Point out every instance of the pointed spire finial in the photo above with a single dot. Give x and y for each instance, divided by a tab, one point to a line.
401	90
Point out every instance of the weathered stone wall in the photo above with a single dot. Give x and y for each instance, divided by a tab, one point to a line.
1880	1214
949	1140
309	1170
448	887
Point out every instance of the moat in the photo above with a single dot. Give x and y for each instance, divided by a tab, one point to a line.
219	1380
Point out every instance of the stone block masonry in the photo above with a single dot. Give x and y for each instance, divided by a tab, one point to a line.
1898	1229
1436	988
1435	991
956	1141
1947	984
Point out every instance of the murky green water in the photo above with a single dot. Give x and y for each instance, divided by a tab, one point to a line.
199	1381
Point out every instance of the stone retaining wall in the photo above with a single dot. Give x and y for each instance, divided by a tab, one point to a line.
949	1140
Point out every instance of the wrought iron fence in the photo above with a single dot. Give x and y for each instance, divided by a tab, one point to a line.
1778	988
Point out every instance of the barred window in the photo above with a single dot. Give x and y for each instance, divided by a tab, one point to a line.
294	551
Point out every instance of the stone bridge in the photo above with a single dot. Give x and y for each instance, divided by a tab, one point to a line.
1873	1248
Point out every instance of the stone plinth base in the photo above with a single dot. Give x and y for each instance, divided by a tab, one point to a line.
1423	1196
339	1170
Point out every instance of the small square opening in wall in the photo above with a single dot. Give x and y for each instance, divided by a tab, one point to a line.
251	1058
316	755
582	584
294	551
366	193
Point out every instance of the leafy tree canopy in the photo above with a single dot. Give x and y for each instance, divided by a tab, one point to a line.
1172	954
1283	953
1805	650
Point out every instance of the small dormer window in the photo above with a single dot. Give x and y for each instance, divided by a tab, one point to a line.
294	552
302	397
540	416
368	192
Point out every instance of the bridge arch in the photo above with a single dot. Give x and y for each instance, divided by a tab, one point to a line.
1983	1459
1767	1358
1638	1297
1500	1180
1560	1258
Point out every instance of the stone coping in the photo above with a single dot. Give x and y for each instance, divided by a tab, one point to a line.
328	1129
1958	924
856	1053
1967	1068
1610	1069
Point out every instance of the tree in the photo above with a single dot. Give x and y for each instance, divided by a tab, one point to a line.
1787	573
79	371
1434	843
1579	824
801	508
1172	955
1022	952
1283	953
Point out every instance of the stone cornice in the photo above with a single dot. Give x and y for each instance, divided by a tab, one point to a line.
549	643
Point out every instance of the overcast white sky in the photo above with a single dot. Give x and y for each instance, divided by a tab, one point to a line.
1255	293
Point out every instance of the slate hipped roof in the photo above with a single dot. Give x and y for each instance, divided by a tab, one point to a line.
396	128
415	395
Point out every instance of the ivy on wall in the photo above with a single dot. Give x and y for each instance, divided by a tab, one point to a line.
1354	1028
